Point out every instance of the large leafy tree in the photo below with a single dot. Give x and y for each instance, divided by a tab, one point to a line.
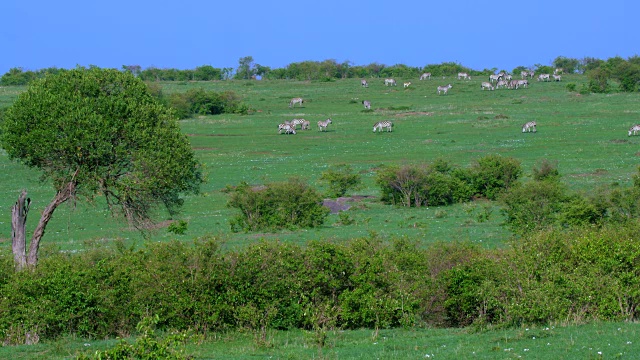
98	132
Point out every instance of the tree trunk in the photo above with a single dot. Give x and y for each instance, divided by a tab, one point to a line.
18	222
19	213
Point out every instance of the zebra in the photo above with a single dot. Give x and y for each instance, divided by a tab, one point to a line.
364	83
508	77
531	74
557	77
543	77
444	88
406	85
494	77
391	82
524	74
306	125
529	126
383	124
288	129
486	85
296	122
322	124
524	83
634	129
295	101
464	75
425	76
513	84
558	71
367	104
502	83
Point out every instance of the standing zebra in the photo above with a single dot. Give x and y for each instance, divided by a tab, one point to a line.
523	83
634	129
425	76
557	77
494	77
543	77
486	85
288	129
529	127
306	125
296	122
407	84
367	104
444	88
464	75
383	124
364	83
295	101
391	82
322	125
524	74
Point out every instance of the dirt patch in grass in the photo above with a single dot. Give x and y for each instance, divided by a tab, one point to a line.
414	113
343	203
597	172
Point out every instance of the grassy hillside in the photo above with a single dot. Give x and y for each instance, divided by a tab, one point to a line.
585	134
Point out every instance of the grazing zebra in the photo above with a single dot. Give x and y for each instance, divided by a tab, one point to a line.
288	129
391	82
529	127
444	88
508	77
295	101
322	124
543	77
425	76
296	122
464	76
494	77
557	77
558	71
364	83
524	83
524	74
513	84
634	129
502	83
486	85
406	85
306	125
383	124
531	74
367	104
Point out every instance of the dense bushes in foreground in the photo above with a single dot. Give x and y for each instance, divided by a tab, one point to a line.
588	273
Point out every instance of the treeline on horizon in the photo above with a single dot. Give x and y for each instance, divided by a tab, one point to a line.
625	72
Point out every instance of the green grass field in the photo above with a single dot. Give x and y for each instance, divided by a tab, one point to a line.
585	134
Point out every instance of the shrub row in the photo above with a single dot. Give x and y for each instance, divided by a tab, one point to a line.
552	276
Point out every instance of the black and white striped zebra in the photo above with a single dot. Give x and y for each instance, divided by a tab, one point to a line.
391	82
444	89
529	127
287	128
364	83
524	74
501	84
295	101
558	71
463	75
306	125
557	77
425	76
407	84
494	77
634	129
486	85
367	104
543	77
524	83
296	122
386	124
322	124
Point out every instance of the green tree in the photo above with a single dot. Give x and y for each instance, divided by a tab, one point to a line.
340	179
569	65
98	132
245	68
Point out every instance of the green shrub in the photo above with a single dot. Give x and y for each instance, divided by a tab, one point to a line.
571	87
178	227
291	204
545	169
492	174
340	179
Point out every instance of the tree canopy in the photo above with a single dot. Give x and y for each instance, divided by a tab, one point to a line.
100	132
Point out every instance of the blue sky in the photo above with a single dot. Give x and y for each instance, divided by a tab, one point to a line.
190	33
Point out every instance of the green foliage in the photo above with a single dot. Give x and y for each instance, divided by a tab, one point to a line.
569	65
146	346
571	87
178	227
103	131
340	179
203	102
281	205
545	169
492	174
599	80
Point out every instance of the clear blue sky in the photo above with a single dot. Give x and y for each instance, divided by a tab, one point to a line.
190	33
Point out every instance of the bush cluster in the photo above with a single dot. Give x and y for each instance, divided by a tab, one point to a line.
203	102
441	183
290	204
586	274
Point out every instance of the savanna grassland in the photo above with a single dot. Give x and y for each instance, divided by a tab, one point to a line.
586	134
